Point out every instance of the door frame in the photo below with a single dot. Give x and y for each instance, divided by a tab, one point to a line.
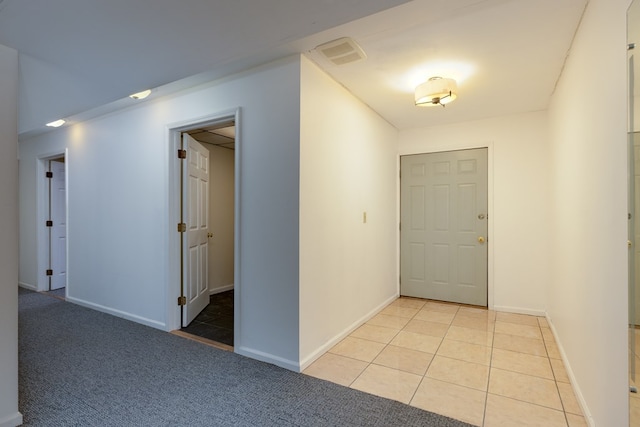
439	148
174	238
42	215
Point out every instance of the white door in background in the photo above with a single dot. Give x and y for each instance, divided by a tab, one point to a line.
443	247
196	275
58	216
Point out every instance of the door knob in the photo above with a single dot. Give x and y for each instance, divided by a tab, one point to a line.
481	240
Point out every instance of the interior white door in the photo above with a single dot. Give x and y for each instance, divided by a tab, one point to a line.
58	216
443	247
196	276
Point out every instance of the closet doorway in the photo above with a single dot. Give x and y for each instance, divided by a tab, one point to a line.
52	229
208	245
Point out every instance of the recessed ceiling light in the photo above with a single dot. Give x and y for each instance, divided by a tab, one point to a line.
56	124
140	95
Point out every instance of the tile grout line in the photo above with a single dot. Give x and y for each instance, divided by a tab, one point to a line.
383	348
486	395
434	355
413	395
548	358
555	379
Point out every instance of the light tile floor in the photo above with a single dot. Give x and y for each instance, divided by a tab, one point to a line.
475	365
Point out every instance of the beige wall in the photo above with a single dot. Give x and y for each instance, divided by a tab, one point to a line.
518	200
347	167
588	291
221	210
9	415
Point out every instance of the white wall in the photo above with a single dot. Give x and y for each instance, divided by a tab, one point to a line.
347	167
118	211
9	415
588	290
221	214
518	200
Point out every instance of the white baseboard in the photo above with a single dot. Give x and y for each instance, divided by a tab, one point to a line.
220	289
269	358
27	286
308	360
572	379
12	420
520	310
118	313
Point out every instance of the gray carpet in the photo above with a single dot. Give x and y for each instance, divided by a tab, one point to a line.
80	367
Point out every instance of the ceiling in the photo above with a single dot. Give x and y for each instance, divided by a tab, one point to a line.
82	58
223	137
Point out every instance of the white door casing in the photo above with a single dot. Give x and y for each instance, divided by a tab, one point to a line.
58	232
196	238
444	203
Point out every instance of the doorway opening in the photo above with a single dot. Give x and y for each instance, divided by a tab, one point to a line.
444	226
207	226
52	228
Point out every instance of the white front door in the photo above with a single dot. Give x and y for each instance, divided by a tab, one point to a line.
195	261
58	216
443	238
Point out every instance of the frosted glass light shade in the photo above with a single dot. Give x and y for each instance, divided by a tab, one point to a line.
436	91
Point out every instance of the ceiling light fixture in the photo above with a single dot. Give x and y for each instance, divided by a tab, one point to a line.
436	91
56	124
140	95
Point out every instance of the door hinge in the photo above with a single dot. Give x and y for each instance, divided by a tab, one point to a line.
49	174
182	154
49	223
182	227
182	300
49	272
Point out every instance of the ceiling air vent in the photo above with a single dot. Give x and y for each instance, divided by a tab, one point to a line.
341	51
